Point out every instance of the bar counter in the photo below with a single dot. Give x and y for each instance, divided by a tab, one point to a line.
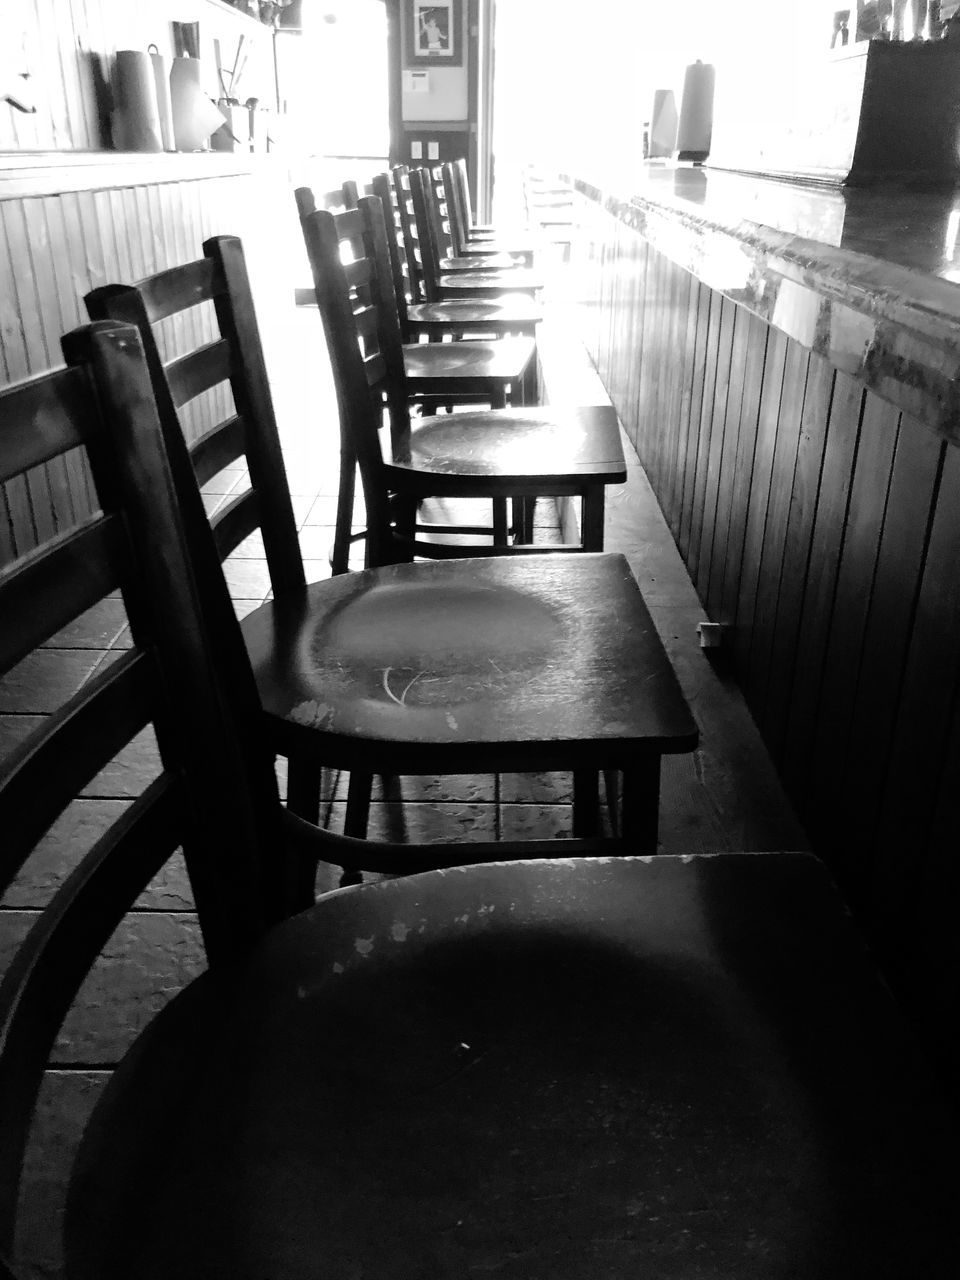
785	361
865	278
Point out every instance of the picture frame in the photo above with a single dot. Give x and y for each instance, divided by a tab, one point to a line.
433	33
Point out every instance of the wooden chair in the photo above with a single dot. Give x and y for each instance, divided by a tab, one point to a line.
476	282
507	454
474	231
360	737
407	1053
460	243
478	371
505	316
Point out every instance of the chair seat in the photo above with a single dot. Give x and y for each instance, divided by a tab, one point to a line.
513	313
531	446
480	262
675	1067
461	363
470	284
508	663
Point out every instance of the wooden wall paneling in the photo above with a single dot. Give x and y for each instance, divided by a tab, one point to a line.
648	408
758	497
858	562
633	422
826	547
17	532
928	892
668	419
908	521
918	786
688	449
770	574
617	347
26	355
78	74
713	476
57	62
718	358
65	242
711	590
804	494
38	251
757	336
690	306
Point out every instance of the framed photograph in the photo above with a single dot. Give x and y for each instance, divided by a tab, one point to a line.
434	32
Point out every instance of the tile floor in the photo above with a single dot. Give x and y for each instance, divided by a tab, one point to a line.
722	797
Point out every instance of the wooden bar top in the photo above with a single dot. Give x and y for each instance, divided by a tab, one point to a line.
867	279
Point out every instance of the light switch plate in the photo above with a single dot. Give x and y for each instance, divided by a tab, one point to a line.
433	150
416	150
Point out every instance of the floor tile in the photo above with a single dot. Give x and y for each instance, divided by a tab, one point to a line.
424	823
130	772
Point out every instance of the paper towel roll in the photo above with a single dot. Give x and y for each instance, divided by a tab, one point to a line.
696	112
663	123
161	76
136	118
195	117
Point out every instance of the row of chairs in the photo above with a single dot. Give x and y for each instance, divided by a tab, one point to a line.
404	1077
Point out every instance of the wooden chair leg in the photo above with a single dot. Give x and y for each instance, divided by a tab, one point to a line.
586	803
340	560
499	522
357	817
303	799
640	806
591	535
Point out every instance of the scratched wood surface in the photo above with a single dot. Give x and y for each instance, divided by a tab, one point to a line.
814	519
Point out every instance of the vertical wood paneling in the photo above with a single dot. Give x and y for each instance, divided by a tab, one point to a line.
759	494
769	577
907	523
797	550
702	547
53	249
822	528
701	361
823	796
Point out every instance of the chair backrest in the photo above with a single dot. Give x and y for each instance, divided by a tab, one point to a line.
462	180
383	189
411	238
214	792
456	217
352	277
231	368
420	195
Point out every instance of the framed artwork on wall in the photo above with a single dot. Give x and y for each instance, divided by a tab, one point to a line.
434	32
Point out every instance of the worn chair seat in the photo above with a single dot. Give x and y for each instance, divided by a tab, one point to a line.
480	262
486	369
471	666
489	284
679	1067
508	314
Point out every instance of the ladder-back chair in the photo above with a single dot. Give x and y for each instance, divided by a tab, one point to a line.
406	1053
506	454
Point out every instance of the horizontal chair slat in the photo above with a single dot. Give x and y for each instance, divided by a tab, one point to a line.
192	374
235	521
217	448
39	419
62	756
50	967
170	291
48	589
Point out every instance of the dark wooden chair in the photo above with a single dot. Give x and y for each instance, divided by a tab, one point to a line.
477	371
500	317
475	282
461	245
474	230
594	1067
517	454
395	738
